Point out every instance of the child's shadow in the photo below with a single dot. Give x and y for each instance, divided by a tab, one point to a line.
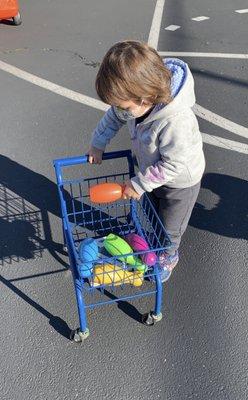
227	214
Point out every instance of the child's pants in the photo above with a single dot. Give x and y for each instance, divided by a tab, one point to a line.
174	207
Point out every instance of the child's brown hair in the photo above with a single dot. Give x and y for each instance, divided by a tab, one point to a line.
132	70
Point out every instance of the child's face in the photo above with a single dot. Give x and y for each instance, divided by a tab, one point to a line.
137	110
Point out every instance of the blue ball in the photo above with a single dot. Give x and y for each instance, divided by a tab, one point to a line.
88	253
88	250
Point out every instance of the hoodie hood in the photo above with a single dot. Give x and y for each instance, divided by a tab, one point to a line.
178	74
182	91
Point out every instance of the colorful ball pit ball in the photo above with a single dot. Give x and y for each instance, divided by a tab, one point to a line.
138	243
88	253
116	246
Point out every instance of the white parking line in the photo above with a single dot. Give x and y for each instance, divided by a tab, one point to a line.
199	19
156	24
192	54
245	10
225	143
223	123
172	27
52	87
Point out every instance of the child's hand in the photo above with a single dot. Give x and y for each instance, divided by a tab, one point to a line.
95	155
129	192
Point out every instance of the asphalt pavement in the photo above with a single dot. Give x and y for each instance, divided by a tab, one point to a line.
199	350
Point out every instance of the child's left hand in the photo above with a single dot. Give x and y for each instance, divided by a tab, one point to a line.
129	192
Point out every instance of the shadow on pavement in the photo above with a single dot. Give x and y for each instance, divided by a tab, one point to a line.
26	197
229	215
57	323
218	77
126	307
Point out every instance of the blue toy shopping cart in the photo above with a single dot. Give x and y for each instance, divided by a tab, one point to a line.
87	223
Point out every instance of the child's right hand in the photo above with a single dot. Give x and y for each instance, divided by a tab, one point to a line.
95	155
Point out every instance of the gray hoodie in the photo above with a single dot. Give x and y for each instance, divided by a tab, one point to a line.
168	143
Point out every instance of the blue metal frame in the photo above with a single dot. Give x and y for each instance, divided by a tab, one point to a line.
80	283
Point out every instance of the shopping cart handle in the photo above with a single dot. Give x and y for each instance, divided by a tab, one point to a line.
66	162
70	161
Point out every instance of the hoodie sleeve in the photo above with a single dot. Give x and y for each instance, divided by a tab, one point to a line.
106	129
173	148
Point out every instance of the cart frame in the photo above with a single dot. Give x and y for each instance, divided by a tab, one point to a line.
80	284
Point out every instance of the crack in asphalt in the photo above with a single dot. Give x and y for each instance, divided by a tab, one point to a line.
87	62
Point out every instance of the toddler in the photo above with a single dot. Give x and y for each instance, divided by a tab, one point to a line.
155	98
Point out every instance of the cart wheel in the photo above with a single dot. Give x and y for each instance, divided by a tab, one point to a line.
151	319
17	19
78	336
